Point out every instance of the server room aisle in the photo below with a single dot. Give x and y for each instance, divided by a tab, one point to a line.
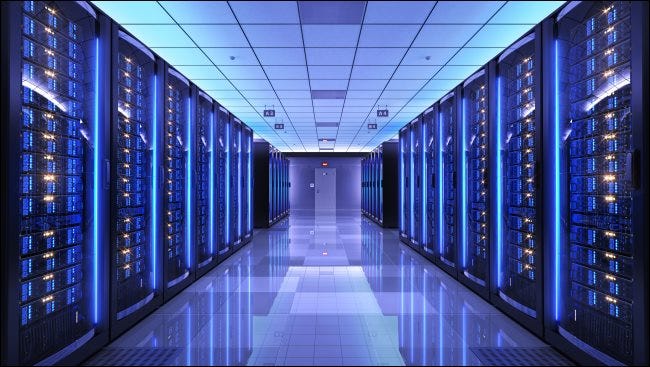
324	289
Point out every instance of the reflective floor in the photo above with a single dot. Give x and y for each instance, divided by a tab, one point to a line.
326	289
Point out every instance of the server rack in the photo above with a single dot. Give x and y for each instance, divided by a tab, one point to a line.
222	184
235	182
134	194
516	140
405	191
474	209
416	202
598	63
54	244
271	171
205	157
431	175
247	182
381	189
448	247
177	180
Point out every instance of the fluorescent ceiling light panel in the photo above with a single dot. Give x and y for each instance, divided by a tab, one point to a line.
137	12
323	124
199	12
321	35
331	12
259	12
463	12
216	35
362	94
278	35
397	12
447	35
293	94
387	35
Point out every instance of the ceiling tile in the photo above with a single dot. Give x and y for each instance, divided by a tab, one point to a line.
331	12
498	35
160	35
138	12
292	94
361	109
474	56
387	35
406	84
398	93
449	35
437	55
182	56
329	56
222	55
340	35
355	94
276	12
327	84
298	102
369	84
283	84
416	72
372	72
328	102
223	95
242	72
254	94
200	72
221	35
363	102
442	85
281	56
463	12
252	84
208	85
529	12
286	72
398	12
329	72
199	12
379	56
273	35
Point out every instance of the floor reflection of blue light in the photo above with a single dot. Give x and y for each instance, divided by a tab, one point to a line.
268	304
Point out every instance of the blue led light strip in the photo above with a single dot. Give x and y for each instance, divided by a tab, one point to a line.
441	182
424	183
499	199
463	187
154	182
96	192
239	171
188	189
227	179
556	189
412	187
250	183
211	182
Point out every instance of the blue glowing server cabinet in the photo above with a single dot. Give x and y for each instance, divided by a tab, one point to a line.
54	202
222	187
431	209
271	195
205	158
597	116
380	184
177	162
236	182
405	184
134	197
473	204
417	192
247	184
516	173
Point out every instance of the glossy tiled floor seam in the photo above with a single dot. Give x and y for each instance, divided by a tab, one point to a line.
325	289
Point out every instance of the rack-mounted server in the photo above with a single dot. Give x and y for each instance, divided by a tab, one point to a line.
235	182
379	184
134	196
247	184
430	184
271	170
54	244
598	136
404	166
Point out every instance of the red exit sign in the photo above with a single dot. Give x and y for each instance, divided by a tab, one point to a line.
324	163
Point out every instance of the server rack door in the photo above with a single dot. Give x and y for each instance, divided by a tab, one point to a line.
204	171
248	182
286	185
272	179
405	152
222	182
134	198
380	184
55	189
448	140
429	181
376	165
176	214
372	184
416	187
595	284
363	185
235	181
474	204
518	150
